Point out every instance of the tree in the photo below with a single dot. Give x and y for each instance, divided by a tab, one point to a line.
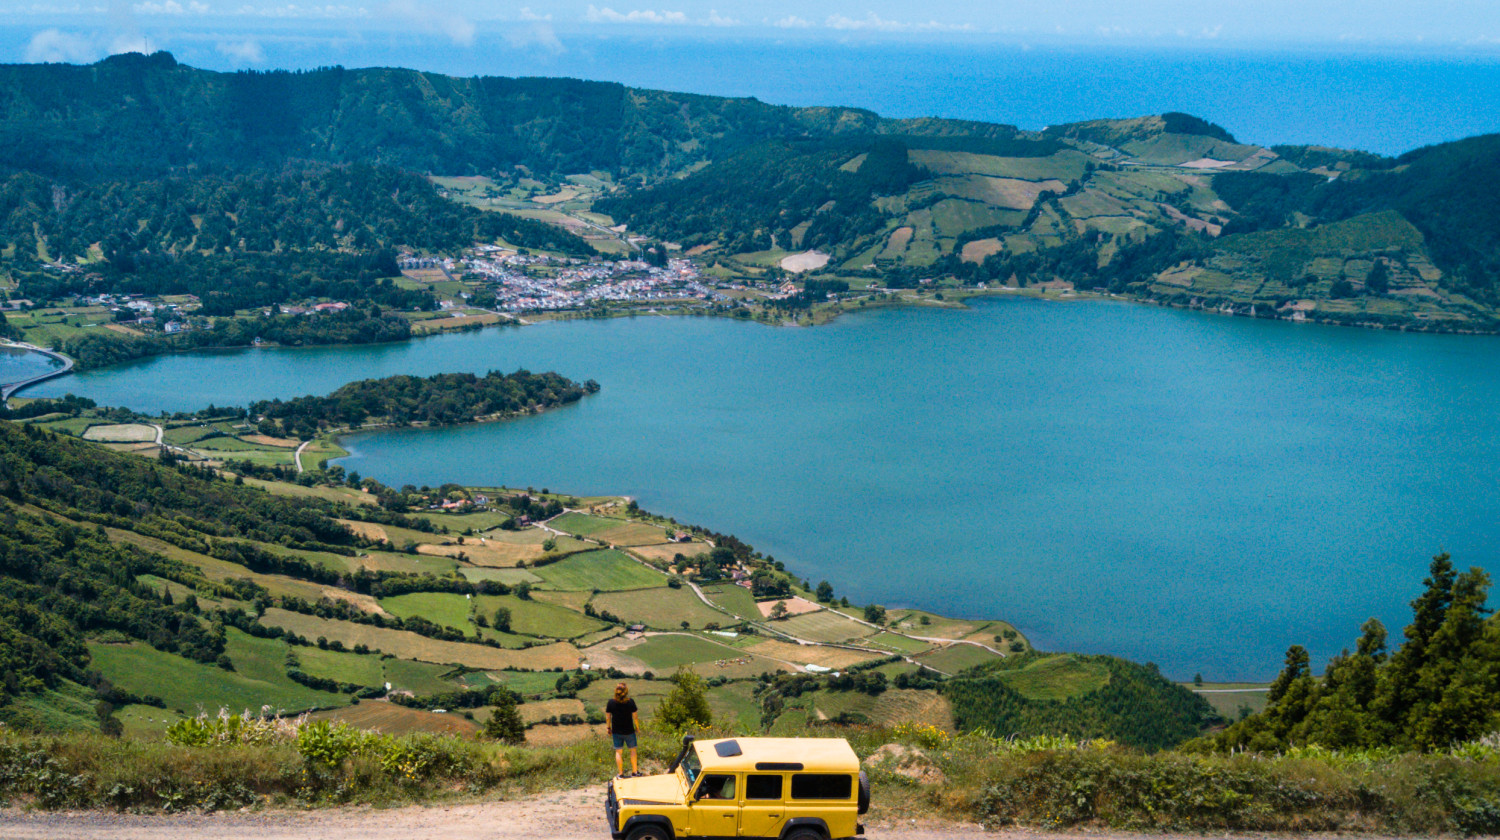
501	621
825	591
505	722
874	613
778	612
686	705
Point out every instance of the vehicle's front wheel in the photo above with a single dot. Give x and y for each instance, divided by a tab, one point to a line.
649	831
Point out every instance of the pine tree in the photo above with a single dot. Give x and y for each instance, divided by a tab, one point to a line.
505	721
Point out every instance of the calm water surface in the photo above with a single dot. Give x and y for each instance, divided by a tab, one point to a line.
1187	489
17	364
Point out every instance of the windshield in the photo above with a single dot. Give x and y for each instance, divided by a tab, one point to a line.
690	767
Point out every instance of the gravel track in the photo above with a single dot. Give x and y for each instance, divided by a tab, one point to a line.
569	815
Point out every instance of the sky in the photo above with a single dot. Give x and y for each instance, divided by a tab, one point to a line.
244	33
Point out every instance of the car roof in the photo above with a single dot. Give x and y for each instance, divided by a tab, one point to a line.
773	754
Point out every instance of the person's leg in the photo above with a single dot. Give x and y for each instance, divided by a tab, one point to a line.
619	765
633	766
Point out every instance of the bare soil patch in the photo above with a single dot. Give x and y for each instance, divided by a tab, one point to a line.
122	433
805	261
794	606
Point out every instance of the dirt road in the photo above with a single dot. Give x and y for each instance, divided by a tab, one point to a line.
571	815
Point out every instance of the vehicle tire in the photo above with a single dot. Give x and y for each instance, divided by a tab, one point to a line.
864	793
649	831
805	834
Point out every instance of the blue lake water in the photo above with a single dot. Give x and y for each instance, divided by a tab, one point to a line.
17	363
1175	487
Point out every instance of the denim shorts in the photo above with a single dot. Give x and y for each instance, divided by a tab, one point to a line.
623	741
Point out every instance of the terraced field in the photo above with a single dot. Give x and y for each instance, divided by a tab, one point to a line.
407	645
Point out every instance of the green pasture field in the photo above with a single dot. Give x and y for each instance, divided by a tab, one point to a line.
417	677
404	644
183	435
232	444
897	643
393	719
525	683
1056	678
190	686
662	608
75	426
445	608
482	520
146	721
583	524
509	577
69	707
632	534
387	561
736	599
333	494
319	452
534	618
666	653
824	626
356	668
955	658
604	570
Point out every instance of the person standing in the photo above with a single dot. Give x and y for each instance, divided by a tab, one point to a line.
623	719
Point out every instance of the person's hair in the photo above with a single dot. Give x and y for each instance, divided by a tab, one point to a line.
621	692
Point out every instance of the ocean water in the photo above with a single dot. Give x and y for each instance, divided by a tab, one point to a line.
1187	489
1387	101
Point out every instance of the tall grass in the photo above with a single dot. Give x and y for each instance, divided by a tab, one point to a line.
1038	782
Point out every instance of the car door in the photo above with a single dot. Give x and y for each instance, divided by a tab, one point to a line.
764	810
714	810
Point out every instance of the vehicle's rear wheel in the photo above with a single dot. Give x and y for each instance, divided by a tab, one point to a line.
649	831
805	834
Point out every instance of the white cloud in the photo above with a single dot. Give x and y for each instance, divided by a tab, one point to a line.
874	23
292	10
528	14
247	51
170	7
793	22
457	27
54	45
715	19
534	34
608	15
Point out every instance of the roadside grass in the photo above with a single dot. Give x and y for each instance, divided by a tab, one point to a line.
604	570
188	686
533	618
405	644
955	658
661	608
825	626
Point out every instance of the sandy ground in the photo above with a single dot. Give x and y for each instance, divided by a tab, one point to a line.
557	816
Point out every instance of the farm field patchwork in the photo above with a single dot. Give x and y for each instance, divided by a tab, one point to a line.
186	686
661	608
824	626
407	645
604	570
533	618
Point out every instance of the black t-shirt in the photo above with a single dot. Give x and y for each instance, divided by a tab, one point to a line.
621	716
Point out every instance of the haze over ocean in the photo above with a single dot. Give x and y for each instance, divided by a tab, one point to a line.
1383	101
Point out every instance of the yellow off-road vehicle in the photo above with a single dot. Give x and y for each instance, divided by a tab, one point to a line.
783	788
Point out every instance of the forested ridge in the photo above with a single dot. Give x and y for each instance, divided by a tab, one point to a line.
442	399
